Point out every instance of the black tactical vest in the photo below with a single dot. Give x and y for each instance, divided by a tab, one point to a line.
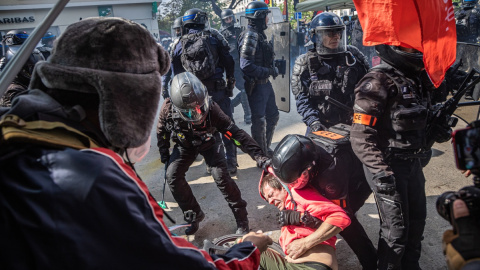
189	135
407	112
331	76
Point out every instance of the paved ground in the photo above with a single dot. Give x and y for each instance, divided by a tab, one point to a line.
441	176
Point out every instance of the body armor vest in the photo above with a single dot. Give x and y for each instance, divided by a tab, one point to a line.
262	54
189	135
331	76
406	116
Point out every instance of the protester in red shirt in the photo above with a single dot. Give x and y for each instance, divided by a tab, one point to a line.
303	243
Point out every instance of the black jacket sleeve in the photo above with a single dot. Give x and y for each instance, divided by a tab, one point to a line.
371	98
241	139
163	135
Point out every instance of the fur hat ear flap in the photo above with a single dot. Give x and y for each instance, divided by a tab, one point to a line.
163	60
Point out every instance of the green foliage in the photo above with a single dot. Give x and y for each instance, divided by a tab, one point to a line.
306	16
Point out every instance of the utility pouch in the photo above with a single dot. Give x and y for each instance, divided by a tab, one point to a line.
320	88
407	119
249	85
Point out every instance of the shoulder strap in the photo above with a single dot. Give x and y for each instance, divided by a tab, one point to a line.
54	134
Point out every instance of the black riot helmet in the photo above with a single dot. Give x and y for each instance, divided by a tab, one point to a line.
15	37
469	4
25	74
397	57
295	154
48	38
226	14
328	33
189	98
256	12
177	27
195	18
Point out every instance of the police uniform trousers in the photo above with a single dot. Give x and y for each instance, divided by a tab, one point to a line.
264	114
402	216
220	97
182	158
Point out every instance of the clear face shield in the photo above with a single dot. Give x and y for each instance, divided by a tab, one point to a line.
195	115
228	21
331	40
269	18
198	18
176	32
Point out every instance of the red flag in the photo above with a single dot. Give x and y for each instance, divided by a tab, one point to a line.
425	25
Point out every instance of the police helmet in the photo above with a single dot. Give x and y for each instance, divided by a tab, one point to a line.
396	56
15	37
189	98
469	3
48	38
25	74
329	33
194	17
256	10
227	13
296	153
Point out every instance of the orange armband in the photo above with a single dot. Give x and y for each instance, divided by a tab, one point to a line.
364	119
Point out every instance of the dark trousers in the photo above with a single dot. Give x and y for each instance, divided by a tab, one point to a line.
243	99
402	216
224	102
264	114
180	161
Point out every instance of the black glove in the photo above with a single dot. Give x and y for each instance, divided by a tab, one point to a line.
273	72
311	221
164	155
288	217
384	184
316	126
230	85
263	162
444	134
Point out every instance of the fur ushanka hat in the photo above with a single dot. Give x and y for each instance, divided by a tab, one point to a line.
119	60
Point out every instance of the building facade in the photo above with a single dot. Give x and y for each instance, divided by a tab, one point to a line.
27	14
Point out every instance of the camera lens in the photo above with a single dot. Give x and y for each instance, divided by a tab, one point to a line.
444	203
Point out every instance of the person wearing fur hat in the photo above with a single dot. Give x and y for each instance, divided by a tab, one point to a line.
69	195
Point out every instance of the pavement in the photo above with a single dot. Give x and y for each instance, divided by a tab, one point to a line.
441	175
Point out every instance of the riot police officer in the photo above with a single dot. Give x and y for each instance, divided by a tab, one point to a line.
205	52
47	44
194	122
231	34
468	22
256	62
14	39
177	33
331	69
387	135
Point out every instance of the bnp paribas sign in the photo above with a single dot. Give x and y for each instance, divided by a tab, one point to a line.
5	20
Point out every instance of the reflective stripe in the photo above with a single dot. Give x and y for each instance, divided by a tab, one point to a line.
342	203
364	119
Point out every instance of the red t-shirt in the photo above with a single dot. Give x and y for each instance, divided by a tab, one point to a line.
309	199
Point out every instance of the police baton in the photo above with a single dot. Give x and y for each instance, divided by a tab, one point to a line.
15	65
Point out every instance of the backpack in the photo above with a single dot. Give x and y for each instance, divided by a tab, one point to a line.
198	55
335	139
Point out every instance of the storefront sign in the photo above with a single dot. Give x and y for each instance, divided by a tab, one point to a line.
28	19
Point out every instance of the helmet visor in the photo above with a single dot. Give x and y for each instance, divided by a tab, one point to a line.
331	40
194	115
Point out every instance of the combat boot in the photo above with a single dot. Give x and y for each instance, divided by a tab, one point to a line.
194	224
242	227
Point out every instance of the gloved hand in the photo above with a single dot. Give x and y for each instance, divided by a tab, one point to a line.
316	126
311	221
384	184
288	217
263	162
462	247
164	155
444	134
230	85
273	72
